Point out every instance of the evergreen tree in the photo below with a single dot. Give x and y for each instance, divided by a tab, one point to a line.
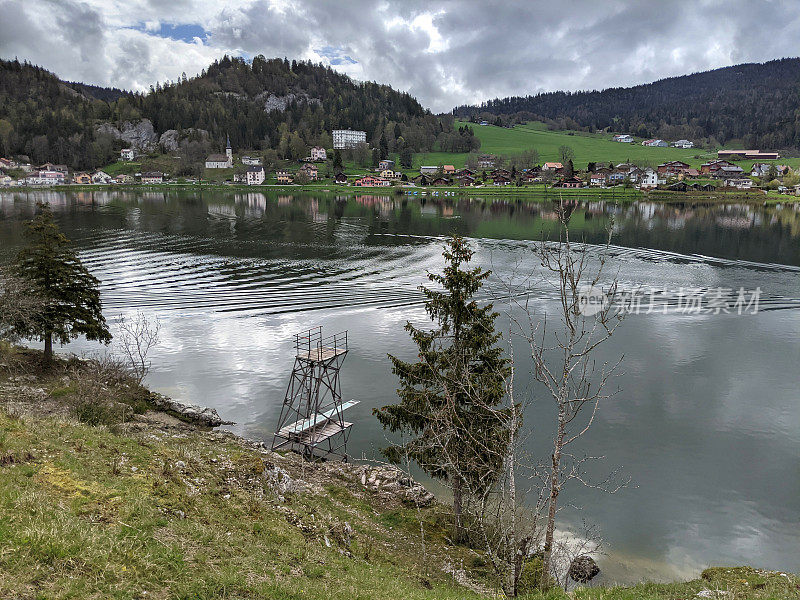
449	411
384	148
337	161
406	157
69	292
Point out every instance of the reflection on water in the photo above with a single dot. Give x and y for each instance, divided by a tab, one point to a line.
707	421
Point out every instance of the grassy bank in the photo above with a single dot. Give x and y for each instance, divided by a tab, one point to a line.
136	504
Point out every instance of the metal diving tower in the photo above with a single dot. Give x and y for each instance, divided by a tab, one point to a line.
311	421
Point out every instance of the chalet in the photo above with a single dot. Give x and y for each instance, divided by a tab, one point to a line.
683	144
311	171
318	153
728	171
466	180
486	161
501	180
284	177
500	173
438	181
623	138
552	166
448	169
370	181
255	175
680	186
674	167
748	155
421	179
428	170
386	164
101	177
713	166
123	178
251	161
598	178
152	177
340	178
126	154
569	182
740	183
82	179
465	172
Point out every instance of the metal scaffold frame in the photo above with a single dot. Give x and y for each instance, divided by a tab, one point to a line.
311	420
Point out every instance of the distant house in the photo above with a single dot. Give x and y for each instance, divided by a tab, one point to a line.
126	154
464	172
340	178
389	174
439	181
421	179
123	178
428	170
680	186
152	177
552	166
385	164
466	180
318	153
311	171
370	181
7	163
501	180
448	169
712	166
683	144
747	155
728	172
740	183
348	138
501	173
51	167
486	161
255	175
82	179
649	179
6	181
569	182
674	167
221	161
655	143
252	161
623	138
598	178
284	177
101	177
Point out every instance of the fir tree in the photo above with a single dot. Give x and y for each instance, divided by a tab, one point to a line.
449	411
69	292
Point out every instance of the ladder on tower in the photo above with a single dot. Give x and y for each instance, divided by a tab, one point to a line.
311	420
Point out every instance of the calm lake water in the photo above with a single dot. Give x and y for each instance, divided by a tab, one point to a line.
707	420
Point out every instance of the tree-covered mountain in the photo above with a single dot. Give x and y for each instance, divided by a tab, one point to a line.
755	104
263	104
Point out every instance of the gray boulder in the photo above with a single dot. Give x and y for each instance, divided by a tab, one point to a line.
191	413
583	569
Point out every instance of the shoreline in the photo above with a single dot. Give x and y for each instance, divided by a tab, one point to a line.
527	193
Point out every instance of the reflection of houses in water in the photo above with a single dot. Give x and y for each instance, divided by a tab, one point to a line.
256	202
222	210
384	204
314	212
284	200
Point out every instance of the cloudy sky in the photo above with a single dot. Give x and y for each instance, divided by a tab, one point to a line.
444	52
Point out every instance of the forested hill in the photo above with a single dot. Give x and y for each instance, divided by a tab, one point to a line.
266	104
757	104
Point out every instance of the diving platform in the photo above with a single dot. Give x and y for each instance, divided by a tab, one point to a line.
311	420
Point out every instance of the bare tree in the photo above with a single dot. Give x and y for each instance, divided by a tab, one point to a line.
137	337
564	361
20	305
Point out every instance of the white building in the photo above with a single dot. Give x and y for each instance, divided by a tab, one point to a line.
152	177
318	152
6	181
126	154
649	179
252	161
347	138
255	175
221	161
101	177
740	183
655	143
428	170
683	144
623	138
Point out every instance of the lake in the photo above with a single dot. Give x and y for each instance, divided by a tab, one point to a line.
707	419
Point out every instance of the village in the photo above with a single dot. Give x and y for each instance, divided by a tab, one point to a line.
480	170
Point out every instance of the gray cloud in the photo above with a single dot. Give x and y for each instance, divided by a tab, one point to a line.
445	52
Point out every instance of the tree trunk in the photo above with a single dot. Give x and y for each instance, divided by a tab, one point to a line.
458	533
555	488
48	346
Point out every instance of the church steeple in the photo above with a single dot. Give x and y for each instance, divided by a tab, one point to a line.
229	152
